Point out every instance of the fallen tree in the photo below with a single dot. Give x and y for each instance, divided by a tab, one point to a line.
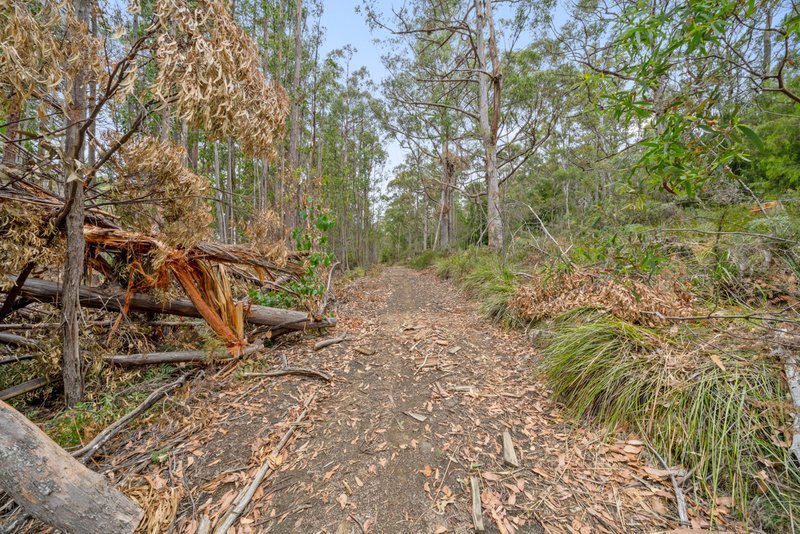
114	300
55	488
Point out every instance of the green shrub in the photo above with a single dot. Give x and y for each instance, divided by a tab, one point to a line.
426	259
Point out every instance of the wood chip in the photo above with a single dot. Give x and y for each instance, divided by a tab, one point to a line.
509	454
477	512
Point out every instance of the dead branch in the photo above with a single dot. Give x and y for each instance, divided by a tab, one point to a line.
153	358
90	449
246	495
21	389
328	342
326	299
292	371
20	341
15	358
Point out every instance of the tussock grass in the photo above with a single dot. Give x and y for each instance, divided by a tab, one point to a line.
727	426
487	278
426	259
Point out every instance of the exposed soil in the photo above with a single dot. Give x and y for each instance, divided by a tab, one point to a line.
422	391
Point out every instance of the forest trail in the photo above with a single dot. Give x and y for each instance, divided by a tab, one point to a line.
369	463
422	391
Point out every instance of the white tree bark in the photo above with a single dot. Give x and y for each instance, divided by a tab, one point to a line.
488	129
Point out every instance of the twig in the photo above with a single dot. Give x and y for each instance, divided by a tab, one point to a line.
680	499
91	448
292	371
709	232
328	342
246	495
358	522
711	316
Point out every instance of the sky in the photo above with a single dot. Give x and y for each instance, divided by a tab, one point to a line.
344	26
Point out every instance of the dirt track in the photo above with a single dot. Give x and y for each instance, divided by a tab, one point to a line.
421	394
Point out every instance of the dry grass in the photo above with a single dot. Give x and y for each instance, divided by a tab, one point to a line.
627	299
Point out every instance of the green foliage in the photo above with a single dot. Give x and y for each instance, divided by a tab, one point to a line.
309	237
75	426
426	259
723	425
485	277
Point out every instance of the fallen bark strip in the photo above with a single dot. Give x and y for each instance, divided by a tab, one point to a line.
55	488
90	449
246	495
509	454
292	371
25	387
20	341
114	300
15	359
328	342
477	511
151	358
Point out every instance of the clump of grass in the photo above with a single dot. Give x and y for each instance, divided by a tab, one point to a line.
77	425
724	425
487	278
425	259
601	368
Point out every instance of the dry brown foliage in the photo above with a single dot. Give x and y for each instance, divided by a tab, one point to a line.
210	66
24	231
39	52
627	299
266	235
168	199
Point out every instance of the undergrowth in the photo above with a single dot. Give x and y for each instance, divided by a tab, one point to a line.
720	413
724	421
485	277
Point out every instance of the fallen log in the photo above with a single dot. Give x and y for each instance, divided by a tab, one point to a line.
114	300
20	341
55	488
20	389
152	358
15	358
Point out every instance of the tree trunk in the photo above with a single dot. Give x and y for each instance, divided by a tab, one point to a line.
55	488
489	131
230	190
114	301
294	134
73	265
220	196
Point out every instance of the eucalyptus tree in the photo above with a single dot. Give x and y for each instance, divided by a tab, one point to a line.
470	83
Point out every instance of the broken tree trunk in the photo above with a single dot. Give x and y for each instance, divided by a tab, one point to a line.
110	300
54	487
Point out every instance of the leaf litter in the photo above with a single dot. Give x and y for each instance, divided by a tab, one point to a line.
359	462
